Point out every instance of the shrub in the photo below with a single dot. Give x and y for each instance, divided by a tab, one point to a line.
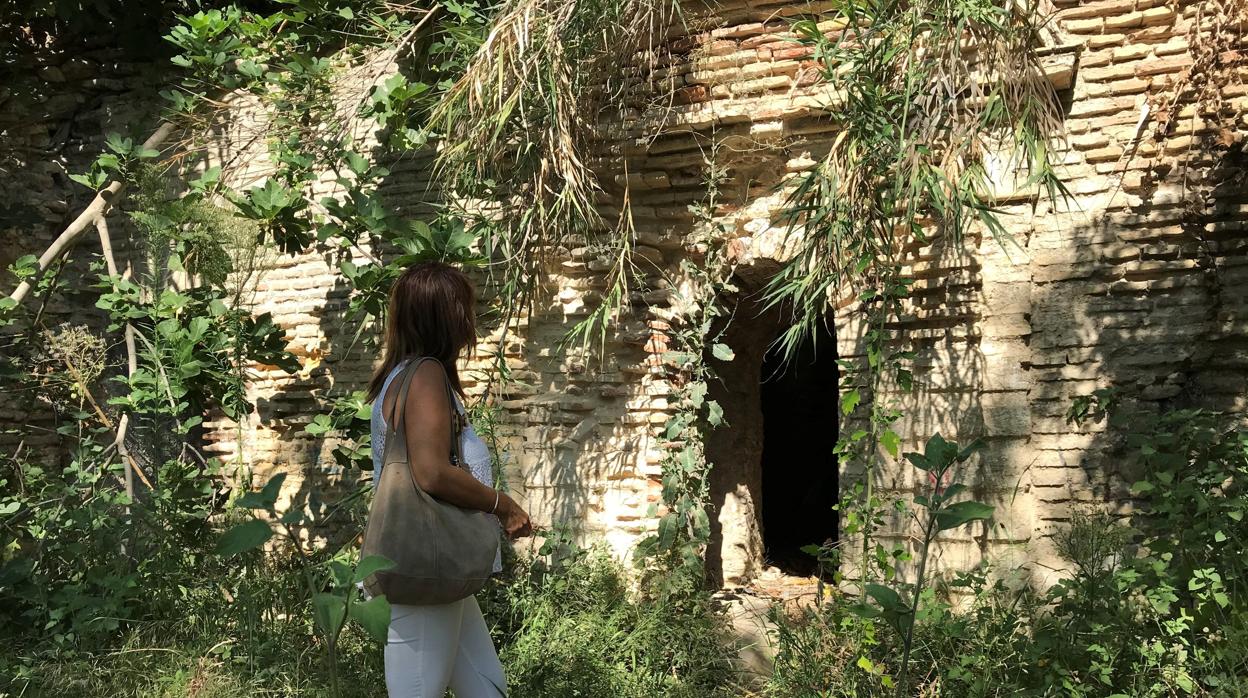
1157	608
78	562
568	624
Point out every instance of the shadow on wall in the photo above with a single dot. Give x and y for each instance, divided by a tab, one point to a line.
576	423
572	431
1146	298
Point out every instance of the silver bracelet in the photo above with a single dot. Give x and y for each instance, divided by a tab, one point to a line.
497	494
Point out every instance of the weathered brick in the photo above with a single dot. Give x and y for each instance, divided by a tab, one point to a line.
1163	65
1093	25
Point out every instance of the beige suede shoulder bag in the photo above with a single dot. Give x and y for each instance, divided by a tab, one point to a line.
441	552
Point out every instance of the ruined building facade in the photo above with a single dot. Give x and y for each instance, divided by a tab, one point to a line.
1140	281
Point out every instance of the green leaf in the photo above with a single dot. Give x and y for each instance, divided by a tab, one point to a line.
850	400
668	526
891	442
952	491
374	616
94	181
886	597
369	565
863	610
341	572
329	611
266	497
714	413
320	425
674	426
918	460
723	352
248	535
688	460
697	394
940	453
679	359
961	513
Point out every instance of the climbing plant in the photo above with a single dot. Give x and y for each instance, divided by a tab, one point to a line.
927	91
924	96
677	549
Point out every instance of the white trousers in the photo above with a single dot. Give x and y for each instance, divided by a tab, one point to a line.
433	647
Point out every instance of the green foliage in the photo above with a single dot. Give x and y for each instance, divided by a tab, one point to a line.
1152	611
210	45
227	635
78	560
331	582
516	118
674	553
938	513
193	349
349	420
398	105
278	209
926	92
568	625
924	95
248	601
1157	608
118	164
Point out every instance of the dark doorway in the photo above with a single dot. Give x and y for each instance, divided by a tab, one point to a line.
773	480
799	400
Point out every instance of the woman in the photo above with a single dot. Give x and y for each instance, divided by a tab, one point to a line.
431	314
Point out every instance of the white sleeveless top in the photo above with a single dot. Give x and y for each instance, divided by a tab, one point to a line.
476	454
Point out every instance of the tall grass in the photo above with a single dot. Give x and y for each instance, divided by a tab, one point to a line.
566	625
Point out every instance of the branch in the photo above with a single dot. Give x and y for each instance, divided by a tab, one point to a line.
99	206
123	424
103	416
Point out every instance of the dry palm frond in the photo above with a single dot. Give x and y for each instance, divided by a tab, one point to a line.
522	117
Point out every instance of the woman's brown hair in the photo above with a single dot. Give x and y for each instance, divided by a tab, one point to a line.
432	309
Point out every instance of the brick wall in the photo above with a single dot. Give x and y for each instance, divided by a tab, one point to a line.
1136	282
53	122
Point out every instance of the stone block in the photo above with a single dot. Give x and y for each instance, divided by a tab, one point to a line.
1006	414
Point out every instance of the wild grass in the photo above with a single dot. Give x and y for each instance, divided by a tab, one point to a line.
566	626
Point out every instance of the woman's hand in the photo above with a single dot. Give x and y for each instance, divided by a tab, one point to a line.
515	520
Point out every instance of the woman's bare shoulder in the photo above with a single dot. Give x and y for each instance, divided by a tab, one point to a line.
428	382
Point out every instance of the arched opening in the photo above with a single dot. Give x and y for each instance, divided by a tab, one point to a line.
774	479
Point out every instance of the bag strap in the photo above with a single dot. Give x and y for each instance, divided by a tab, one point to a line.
397	420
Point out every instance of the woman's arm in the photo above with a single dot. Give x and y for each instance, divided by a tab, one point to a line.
427	430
